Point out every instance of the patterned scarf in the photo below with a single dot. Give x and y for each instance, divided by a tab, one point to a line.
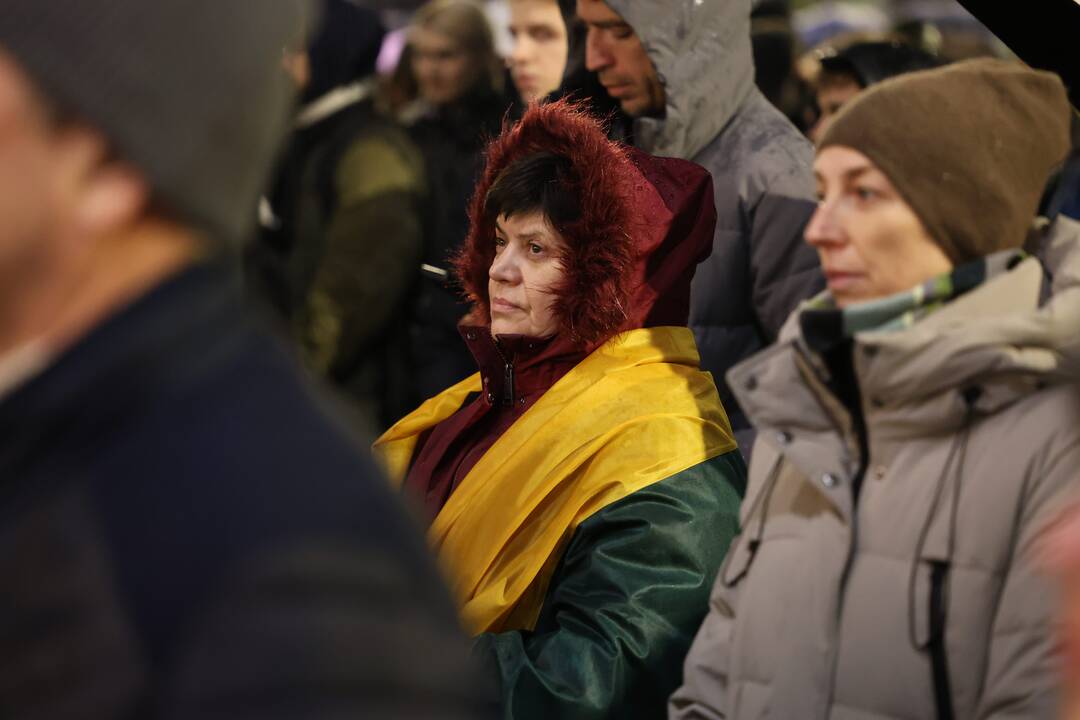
824	324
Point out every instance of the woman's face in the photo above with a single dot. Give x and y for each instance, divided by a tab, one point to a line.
443	69
870	242
521	281
540	47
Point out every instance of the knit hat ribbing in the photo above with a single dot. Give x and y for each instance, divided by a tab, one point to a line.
969	146
191	92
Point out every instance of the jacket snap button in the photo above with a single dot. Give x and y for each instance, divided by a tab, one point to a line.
521	401
879	472
751	383
783	437
828	480
470	335
491	397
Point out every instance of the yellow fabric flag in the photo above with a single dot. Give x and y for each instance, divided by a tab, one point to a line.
635	411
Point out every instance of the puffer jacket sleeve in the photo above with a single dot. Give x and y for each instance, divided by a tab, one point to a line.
624	603
704	689
1022	674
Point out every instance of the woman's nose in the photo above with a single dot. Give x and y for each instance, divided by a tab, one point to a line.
505	268
822	228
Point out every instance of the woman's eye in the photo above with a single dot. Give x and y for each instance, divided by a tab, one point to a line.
535	249
499	242
865	193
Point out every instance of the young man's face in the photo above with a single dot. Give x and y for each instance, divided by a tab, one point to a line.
615	53
540	47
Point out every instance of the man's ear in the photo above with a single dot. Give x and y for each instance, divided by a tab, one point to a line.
114	195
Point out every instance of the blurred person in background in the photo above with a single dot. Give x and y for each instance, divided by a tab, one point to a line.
582	484
1061	557
847	72
541	46
342	237
187	533
459	82
776	46
685	71
917	424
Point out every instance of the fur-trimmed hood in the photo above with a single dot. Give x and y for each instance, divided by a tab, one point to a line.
645	224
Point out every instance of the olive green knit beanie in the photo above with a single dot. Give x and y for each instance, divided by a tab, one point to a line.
969	146
190	92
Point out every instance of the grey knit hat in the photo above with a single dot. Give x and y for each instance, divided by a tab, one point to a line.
191	92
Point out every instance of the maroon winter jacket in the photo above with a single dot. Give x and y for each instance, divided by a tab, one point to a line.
645	224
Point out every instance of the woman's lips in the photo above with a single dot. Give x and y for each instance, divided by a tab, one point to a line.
503	305
841	280
525	82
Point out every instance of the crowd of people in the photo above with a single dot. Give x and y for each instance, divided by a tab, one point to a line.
657	367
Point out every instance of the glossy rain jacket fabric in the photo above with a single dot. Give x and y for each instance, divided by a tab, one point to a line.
760	268
583	542
973	438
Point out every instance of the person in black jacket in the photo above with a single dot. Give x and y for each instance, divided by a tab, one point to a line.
460	105
185	530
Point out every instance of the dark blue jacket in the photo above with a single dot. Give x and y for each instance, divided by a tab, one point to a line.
185	532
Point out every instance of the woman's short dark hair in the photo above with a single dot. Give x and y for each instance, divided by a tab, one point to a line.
542	182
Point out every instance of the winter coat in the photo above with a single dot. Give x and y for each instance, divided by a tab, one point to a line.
342	246
187	533
762	168
581	542
834	604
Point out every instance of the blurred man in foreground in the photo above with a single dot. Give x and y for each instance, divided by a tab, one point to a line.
185	532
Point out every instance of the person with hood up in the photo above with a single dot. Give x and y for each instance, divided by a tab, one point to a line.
582	485
341	237
685	71
917	428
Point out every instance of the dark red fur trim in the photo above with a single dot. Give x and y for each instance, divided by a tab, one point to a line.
592	301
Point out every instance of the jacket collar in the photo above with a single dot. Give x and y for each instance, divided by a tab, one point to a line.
153	346
516	369
997	337
334	102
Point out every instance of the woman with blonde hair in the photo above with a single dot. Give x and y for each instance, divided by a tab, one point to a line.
458	77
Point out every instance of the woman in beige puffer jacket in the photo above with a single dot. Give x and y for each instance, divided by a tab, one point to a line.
915	428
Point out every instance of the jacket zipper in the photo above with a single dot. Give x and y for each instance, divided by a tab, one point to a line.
508	377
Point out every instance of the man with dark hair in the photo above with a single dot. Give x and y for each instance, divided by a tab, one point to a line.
685	71
186	532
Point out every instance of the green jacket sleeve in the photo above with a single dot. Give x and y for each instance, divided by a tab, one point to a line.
372	250
624	603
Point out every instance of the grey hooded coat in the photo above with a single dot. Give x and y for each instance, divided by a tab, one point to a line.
822	608
762	168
